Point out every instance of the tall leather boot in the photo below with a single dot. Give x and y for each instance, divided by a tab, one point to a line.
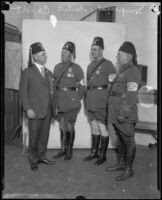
128	172
62	152
104	145
121	159
94	149
69	152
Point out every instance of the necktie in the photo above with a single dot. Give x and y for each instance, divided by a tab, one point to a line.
42	71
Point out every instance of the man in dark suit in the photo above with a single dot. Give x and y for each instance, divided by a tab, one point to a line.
36	93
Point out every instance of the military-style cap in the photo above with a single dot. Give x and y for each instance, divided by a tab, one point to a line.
128	47
70	46
36	47
98	41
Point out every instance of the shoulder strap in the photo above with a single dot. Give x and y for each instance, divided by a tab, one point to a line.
94	69
63	73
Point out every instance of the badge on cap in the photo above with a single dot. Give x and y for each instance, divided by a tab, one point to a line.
66	47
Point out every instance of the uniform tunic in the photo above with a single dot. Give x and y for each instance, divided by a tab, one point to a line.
123	98
68	101
73	77
97	99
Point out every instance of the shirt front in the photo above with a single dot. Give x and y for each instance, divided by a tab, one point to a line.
39	67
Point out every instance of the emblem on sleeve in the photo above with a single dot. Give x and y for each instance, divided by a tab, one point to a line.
111	77
82	82
132	86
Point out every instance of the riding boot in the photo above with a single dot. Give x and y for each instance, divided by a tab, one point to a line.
62	152
94	149
104	145
128	172
121	159
69	152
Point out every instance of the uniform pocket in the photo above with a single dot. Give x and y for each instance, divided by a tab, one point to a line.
117	107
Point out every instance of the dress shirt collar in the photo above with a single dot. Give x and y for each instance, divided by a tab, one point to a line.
39	66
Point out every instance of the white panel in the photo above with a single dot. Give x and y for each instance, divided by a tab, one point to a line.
82	34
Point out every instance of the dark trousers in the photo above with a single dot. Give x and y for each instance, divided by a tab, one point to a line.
38	137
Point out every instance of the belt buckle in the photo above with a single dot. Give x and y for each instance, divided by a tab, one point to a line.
65	89
123	95
99	88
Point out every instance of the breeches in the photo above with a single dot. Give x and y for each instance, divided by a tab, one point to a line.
99	122
67	119
125	141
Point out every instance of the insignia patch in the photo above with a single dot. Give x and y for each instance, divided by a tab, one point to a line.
70	70
132	86
69	75
82	82
97	72
66	46
111	77
126	107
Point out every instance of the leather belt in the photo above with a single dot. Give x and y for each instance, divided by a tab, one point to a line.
115	94
63	88
91	87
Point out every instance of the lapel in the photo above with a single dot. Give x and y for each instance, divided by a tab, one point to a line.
38	74
47	77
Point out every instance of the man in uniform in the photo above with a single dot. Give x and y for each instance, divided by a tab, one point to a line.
122	108
70	88
96	99
36	93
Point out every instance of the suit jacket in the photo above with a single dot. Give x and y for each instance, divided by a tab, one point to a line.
37	92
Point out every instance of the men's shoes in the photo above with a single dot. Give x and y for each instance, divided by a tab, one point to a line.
47	162
34	167
128	173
